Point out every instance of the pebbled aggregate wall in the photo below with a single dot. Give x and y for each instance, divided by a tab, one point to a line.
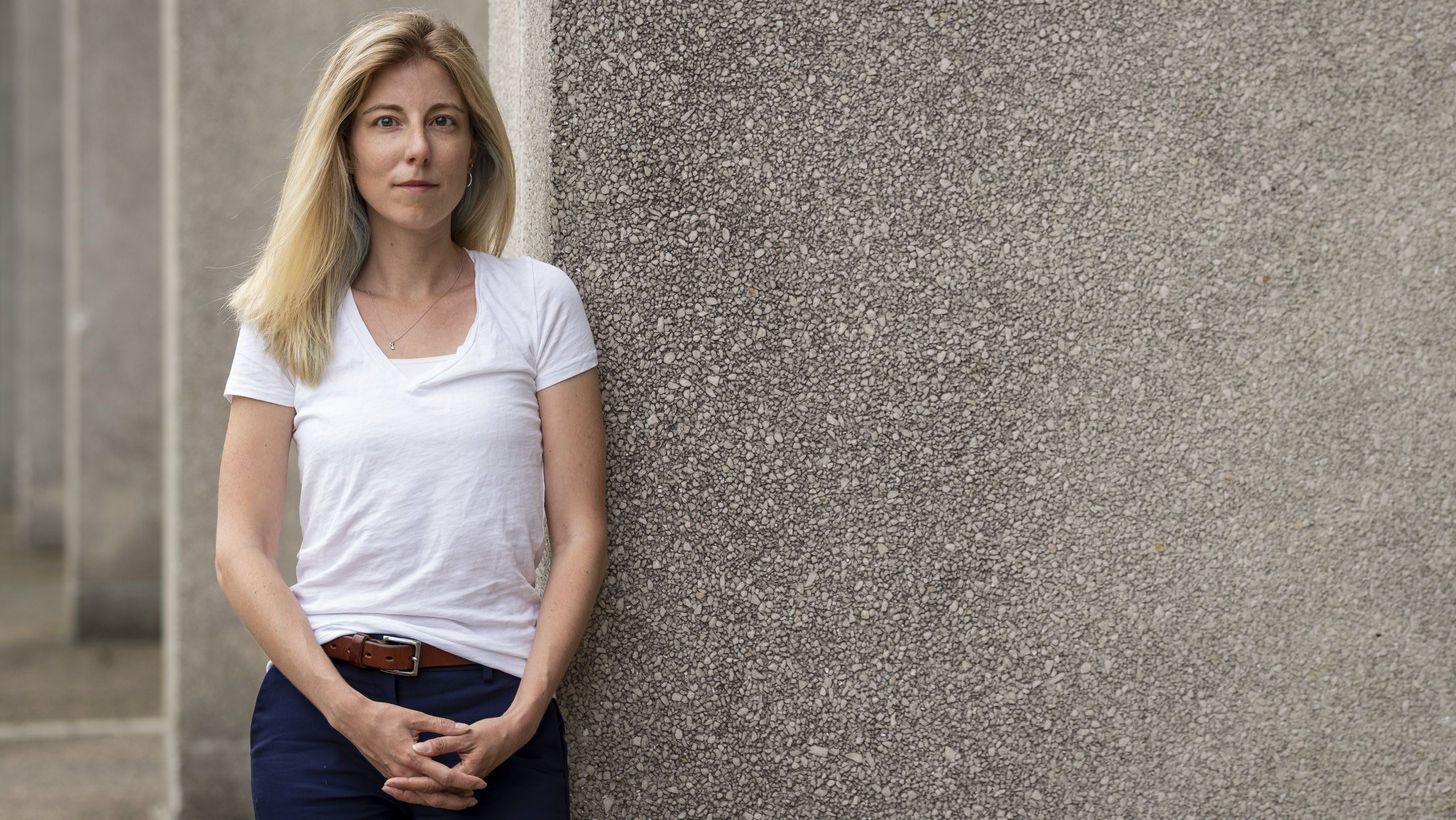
1017	409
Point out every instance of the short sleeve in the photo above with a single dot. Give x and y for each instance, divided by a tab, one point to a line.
564	344
256	374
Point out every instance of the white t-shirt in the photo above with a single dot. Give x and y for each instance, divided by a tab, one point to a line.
418	368
423	497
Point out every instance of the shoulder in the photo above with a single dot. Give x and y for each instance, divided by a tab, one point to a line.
256	373
252	342
524	268
535	279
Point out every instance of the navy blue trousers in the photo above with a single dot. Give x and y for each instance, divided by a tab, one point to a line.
303	767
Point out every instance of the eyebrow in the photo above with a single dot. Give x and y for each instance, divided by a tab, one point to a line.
396	107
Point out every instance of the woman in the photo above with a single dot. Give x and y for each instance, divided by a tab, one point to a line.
445	407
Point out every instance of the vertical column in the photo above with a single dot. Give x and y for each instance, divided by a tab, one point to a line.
235	80
9	276
37	306
517	57
113	309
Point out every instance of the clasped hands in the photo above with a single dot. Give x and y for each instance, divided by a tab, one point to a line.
388	736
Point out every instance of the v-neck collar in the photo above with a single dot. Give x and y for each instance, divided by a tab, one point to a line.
355	320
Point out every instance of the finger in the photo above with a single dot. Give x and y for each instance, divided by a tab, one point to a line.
446	776
440	800
421	722
436	746
420	783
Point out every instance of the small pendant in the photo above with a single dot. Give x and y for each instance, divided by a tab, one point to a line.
391	345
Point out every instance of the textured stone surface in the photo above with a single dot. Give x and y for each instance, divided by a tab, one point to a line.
113	349
1016	410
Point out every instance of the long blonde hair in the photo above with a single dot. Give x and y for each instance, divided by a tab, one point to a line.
320	235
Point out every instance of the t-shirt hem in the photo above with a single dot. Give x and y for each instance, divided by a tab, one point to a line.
564	372
261	395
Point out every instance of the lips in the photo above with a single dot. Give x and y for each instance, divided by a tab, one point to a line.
417	185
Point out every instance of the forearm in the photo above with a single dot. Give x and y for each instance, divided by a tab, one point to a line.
263	602
576	576
577	570
574	457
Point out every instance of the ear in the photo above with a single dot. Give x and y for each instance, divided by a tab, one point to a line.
343	145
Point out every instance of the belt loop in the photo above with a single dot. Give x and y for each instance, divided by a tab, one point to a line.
354	647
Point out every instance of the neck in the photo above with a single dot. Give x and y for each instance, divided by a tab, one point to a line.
410	267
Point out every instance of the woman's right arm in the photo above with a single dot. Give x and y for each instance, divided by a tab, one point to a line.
251	488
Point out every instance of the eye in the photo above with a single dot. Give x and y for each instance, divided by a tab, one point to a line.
385	122
444	120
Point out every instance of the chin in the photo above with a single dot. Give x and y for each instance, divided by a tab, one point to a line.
414	223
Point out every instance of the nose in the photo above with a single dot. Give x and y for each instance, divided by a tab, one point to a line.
419	145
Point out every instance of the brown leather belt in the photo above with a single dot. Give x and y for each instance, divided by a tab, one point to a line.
396	656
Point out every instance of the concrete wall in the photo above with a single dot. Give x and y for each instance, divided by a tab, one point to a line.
1016	409
1028	410
9	276
113	343
38	294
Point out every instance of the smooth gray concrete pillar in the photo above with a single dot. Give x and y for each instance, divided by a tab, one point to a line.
235	80
517	59
38	330
8	273
114	310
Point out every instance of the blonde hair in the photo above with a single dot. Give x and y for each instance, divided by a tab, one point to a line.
320	234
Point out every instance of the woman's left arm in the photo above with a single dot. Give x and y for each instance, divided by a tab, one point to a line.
574	452
574	457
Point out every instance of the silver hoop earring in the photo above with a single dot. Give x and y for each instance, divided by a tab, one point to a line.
469	178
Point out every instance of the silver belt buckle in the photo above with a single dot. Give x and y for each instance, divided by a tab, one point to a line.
408	673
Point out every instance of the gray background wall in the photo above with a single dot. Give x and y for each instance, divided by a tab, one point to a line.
9	277
36	303
1030	408
113	349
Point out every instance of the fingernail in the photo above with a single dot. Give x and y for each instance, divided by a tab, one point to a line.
462	726
423	747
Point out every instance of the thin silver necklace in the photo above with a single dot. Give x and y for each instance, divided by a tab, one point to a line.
380	317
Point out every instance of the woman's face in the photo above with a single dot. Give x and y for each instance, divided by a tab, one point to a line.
409	146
